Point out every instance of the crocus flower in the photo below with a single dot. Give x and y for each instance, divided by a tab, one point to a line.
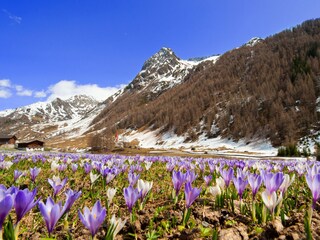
148	165
71	197
240	185
117	224
227	175
271	200
92	220
133	178
6	203
62	167
57	184
131	195
191	194
17	174
110	177
93	177
191	176
313	182
74	167
34	172
111	192
255	182
286	183
11	190
51	213
221	183
178	178
24	202
214	190
144	187
54	166
272	181
207	179
87	167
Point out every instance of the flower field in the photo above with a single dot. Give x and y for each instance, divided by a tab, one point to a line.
86	196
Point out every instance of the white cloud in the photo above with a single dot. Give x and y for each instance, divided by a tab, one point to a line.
19	88
5	93
63	89
25	92
5	83
40	94
21	91
68	88
13	17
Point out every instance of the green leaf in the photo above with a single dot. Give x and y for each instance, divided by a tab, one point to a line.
8	233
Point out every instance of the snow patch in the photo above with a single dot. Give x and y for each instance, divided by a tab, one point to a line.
169	140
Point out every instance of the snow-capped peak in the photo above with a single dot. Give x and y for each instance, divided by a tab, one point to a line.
56	110
253	41
164	70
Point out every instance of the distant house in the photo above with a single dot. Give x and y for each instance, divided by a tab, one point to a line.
32	144
8	140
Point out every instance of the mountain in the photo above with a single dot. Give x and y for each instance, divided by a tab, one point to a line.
46	119
266	89
161	73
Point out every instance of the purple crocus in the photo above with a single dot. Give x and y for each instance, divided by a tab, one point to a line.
6	203
93	220
191	194
131	195
34	172
240	184
57	184
191	176
17	174
178	178
133	178
313	182
207	179
74	167
51	213
227	175
255	182
87	168
272	181
71	197
24	202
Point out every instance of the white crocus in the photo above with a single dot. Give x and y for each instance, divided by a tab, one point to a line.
111	192
130	161
271	200
286	183
109	164
117	223
144	187
93	177
54	166
7	164
148	165
215	190
220	182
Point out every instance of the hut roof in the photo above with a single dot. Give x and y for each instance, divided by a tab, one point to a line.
4	136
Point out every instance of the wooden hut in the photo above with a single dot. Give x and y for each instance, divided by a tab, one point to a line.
8	139
32	144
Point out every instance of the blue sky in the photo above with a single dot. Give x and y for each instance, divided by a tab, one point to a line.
59	48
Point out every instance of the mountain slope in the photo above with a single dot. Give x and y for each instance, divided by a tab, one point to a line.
266	89
159	74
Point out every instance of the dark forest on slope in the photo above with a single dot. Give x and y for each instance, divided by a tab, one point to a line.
268	90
